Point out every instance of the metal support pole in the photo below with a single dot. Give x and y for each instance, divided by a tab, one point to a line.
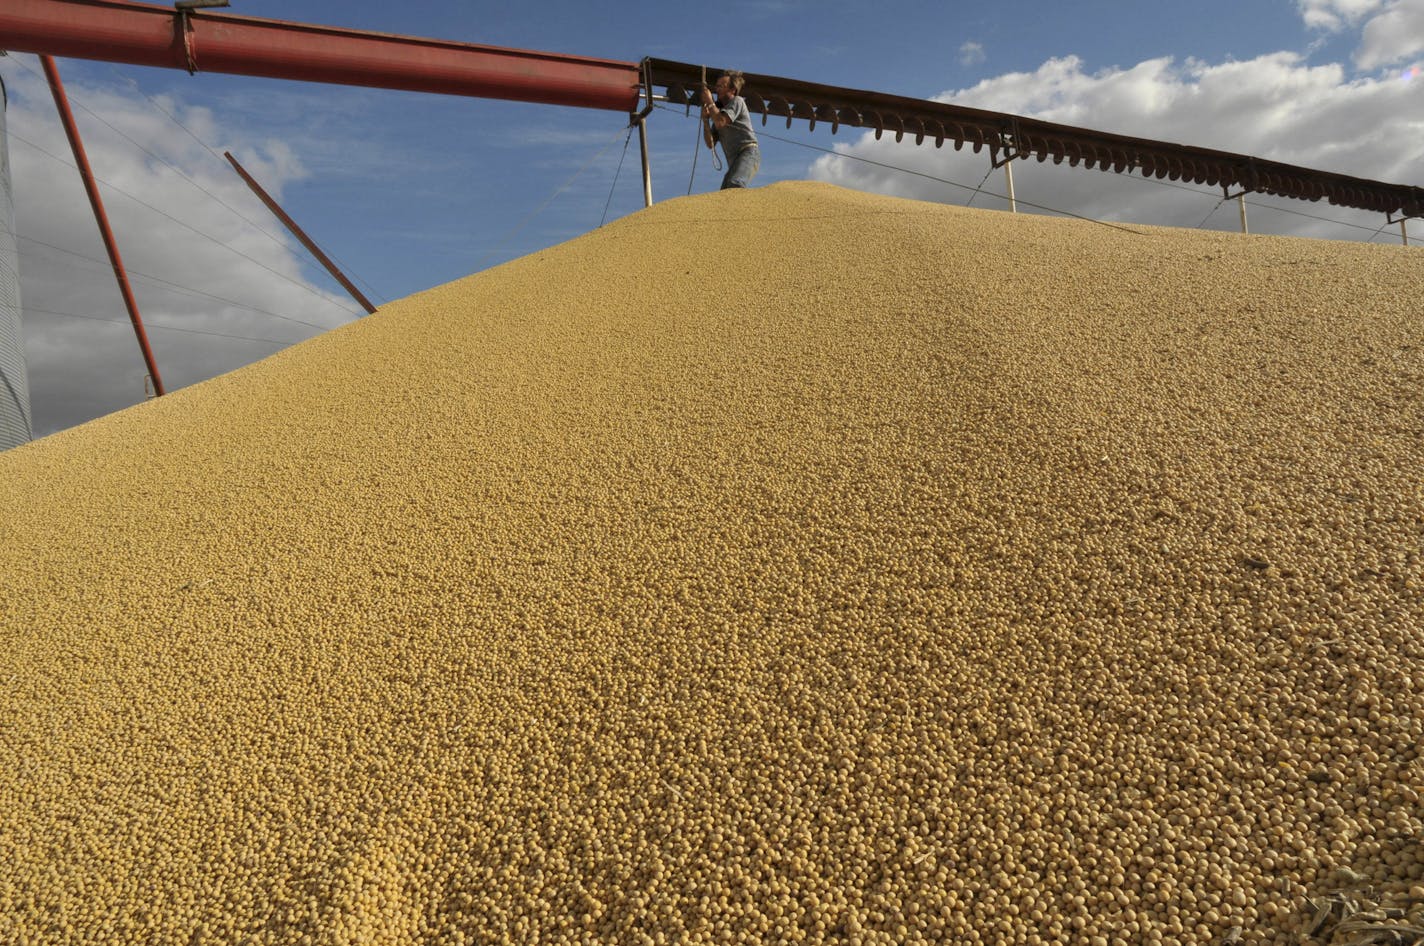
91	187
300	234
1241	202
1403	226
647	169
1009	176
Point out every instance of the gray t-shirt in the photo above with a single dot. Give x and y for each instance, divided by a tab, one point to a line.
738	132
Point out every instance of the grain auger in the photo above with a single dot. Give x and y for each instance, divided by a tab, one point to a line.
1009	138
143	34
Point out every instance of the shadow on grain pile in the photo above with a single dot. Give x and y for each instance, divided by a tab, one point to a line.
925	574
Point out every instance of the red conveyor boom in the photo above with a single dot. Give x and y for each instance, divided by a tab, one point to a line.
147	35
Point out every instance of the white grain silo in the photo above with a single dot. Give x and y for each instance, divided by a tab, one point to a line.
15	426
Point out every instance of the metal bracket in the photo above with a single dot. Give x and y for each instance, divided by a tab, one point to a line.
1390	219
1011	153
647	91
1009	157
185	27
1246	172
185	30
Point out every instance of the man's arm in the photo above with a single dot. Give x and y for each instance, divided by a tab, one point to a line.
712	117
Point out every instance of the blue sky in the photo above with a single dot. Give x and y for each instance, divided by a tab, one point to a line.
409	191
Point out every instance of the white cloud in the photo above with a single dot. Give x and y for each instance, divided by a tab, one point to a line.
1392	37
1274	106
1335	15
767	9
1391	31
206	268
971	54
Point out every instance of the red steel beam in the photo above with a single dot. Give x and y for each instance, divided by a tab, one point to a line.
147	35
300	234
91	188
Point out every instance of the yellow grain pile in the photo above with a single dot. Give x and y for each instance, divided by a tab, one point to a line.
789	565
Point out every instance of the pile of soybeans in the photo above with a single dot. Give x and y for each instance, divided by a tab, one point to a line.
765	567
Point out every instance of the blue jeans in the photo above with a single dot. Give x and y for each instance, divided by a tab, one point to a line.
742	168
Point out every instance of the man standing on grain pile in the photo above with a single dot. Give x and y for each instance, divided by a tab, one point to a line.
728	119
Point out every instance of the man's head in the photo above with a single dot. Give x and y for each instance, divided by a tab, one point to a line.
729	84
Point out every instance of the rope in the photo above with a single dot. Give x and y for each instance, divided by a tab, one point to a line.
891	167
604	218
1374	233
1210	212
980	187
149	324
697	141
504	241
716	161
941	180
79	103
173	287
696	149
187	226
